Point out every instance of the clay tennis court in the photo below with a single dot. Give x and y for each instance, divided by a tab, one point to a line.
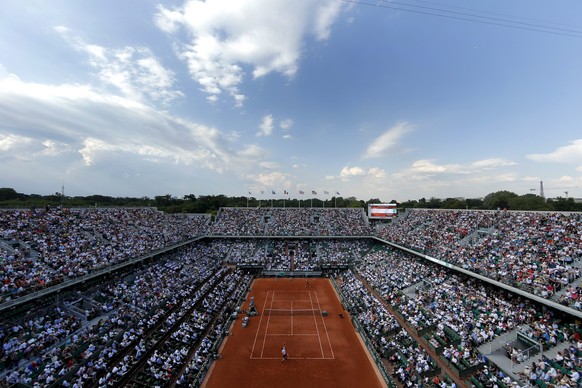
323	351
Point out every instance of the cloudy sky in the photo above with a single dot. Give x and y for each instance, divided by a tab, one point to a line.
374	99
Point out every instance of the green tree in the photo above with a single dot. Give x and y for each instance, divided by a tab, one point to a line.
474	203
498	200
434	203
454	203
527	202
7	194
563	204
408	204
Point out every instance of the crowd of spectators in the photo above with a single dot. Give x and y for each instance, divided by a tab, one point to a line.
290	222
411	363
388	270
239	222
378	323
46	247
186	326
462	313
562	370
533	251
529	250
424	229
129	308
290	255
231	290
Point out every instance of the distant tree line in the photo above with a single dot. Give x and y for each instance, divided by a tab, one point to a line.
498	200
10	198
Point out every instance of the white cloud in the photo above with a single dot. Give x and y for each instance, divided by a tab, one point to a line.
272	179
426	166
569	154
54	148
388	140
269	165
377	172
225	37
428	178
252	151
134	71
168	20
347	172
287	137
286	124
266	127
325	18
11	142
76	124
487	164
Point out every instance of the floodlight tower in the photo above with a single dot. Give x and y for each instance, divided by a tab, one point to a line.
542	189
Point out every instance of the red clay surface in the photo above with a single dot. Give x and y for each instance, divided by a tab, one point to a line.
323	351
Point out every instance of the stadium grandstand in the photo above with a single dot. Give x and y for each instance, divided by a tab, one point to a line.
136	297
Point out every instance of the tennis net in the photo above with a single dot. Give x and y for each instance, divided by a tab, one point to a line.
291	313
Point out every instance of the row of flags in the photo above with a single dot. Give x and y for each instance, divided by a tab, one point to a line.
301	192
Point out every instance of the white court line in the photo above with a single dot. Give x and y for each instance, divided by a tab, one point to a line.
260	320
292	358
316	326
272	295
291	316
267	328
325	327
295	335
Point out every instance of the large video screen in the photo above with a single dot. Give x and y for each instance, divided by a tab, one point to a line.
382	210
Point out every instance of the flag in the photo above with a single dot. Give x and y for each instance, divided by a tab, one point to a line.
262	192
250	193
273	191
326	192
313	192
336	193
285	192
301	192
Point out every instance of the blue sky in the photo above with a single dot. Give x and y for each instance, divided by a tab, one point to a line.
371	99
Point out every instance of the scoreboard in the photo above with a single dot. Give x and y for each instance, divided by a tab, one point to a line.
382	211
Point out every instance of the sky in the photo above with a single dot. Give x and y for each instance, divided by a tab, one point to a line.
401	100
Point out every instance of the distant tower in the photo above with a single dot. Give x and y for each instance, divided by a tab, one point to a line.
542	189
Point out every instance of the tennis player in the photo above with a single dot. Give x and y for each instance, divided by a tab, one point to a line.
284	353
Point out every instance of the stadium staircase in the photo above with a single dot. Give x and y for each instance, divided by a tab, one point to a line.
496	353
